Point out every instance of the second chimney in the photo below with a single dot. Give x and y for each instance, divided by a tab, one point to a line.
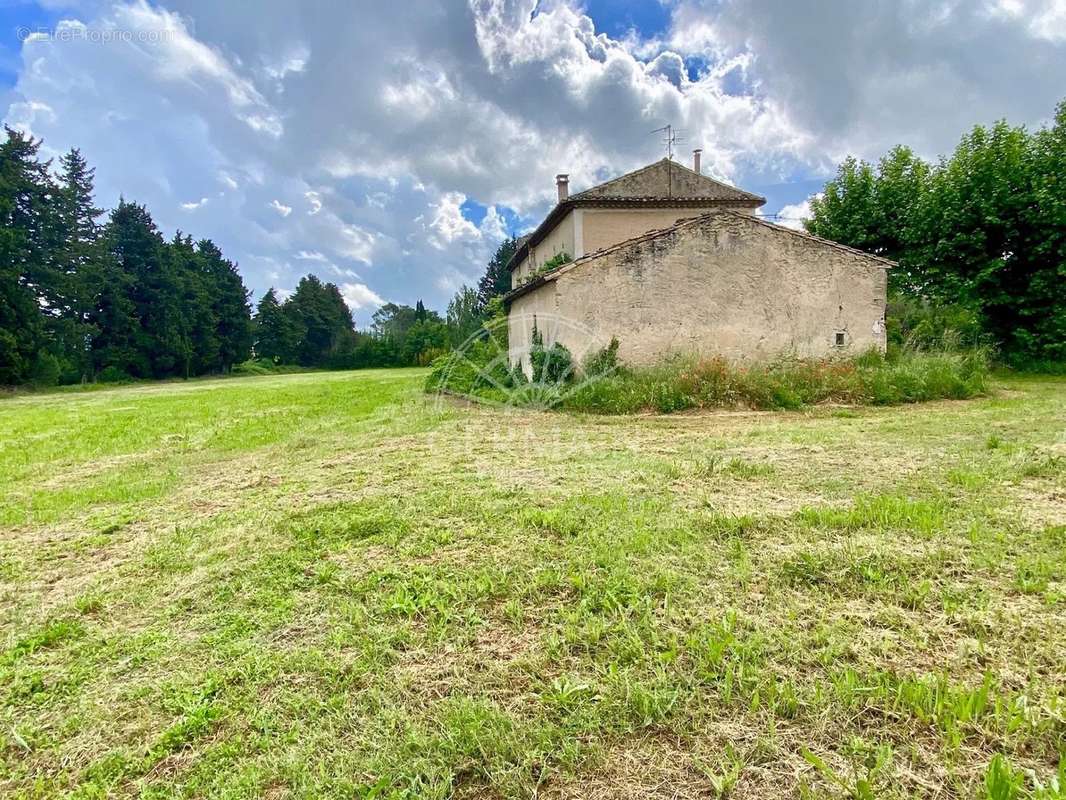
696	160
562	183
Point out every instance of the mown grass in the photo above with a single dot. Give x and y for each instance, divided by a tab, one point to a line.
331	585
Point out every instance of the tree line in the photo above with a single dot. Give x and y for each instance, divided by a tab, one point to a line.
983	230
84	297
313	328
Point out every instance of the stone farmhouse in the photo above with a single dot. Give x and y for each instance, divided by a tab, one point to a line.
669	261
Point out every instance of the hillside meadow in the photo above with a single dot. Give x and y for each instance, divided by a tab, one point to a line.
331	585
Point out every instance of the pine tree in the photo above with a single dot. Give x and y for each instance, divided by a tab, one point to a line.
230	306
323	316
197	292
277	331
77	268
125	305
26	226
497	280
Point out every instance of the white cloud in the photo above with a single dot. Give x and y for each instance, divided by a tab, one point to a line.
356	242
448	222
488	101
293	62
192	206
311	255
359	296
792	216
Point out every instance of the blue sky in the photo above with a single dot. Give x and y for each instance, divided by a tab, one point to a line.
389	147
16	15
617	18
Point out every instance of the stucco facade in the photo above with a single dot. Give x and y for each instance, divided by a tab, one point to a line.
654	197
723	283
559	240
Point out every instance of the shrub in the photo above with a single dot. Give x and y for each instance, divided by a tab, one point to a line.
481	370
45	370
601	362
113	375
254	366
551	365
918	323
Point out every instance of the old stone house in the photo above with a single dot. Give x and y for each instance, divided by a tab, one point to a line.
670	261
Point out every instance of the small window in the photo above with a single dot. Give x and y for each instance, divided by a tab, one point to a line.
840	338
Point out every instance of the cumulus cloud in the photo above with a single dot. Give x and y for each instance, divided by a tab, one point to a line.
861	77
359	296
484	103
793	215
195	204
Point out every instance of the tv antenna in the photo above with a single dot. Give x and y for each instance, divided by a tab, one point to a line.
671	137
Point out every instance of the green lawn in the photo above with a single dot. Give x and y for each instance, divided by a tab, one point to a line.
327	585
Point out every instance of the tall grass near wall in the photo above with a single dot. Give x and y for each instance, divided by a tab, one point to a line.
907	375
871	379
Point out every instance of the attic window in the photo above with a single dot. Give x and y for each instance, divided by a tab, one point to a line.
840	339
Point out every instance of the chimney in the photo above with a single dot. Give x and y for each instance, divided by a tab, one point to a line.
696	160
562	183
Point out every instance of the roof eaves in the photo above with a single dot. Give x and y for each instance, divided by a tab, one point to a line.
544	278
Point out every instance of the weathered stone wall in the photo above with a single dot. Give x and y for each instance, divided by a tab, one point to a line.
538	307
724	285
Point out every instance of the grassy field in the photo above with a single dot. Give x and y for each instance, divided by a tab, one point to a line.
327	585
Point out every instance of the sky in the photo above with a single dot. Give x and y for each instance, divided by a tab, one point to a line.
390	147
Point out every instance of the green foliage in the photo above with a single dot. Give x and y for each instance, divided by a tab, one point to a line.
118	296
550	265
483	604
320	314
983	230
465	315
278	331
256	366
113	374
45	370
496	281
1002	781
550	364
480	370
917	322
685	383
601	362
24	212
